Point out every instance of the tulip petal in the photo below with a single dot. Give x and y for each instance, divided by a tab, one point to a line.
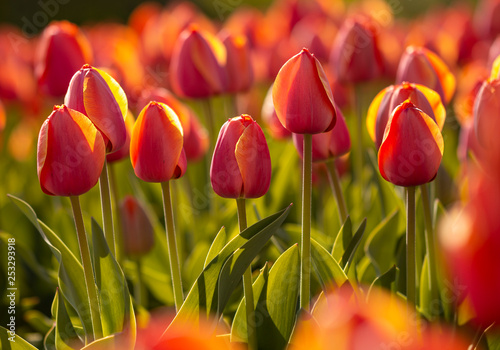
446	78
375	109
74	95
117	91
436	104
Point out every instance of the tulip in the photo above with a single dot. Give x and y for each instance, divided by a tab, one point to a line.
70	153
302	96
96	94
241	164
271	119
486	107
138	233
61	51
355	52
422	66
239	66
124	151
389	98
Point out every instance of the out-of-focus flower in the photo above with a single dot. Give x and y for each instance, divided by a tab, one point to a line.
238	63
486	107
96	94
470	80
302	96
392	96
197	66
62	50
156	144
271	119
138	232
241	164
70	153
22	139
495	68
3	117
124	151
421	66
355	51
327	145
142	14
487	18
412	147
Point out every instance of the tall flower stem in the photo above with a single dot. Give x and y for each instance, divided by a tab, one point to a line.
87	269
117	226
410	247
107	214
139	292
247	281
172	246
333	178
305	275
209	116
358	149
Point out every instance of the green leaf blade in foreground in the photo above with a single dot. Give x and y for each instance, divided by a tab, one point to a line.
343	239
327	269
217	245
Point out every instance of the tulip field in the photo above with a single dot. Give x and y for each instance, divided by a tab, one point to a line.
303	175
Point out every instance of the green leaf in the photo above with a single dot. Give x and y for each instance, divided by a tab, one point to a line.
327	269
426	302
66	337
71	279
350	251
385	280
217	245
49	341
275	301
203	300
10	341
342	241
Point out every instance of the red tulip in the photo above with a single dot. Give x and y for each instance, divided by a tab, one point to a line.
355	52
62	50
302	96
389	98
124	151
412	148
241	164
486	108
70	153
156	144
197	66
271	119
327	145
96	94
238	65
138	232
421	66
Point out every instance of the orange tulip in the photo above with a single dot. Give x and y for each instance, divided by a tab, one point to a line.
302	96
421	66
62	50
412	147
138	232
156	144
197	66
70	153
241	164
239	66
96	94
389	98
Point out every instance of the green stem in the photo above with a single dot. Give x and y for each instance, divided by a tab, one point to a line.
410	247
305	275
107	215
334	179
247	281
87	269
117	226
358	150
430	242
139	292
172	246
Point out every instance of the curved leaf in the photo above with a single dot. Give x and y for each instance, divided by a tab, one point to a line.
10	341
327	269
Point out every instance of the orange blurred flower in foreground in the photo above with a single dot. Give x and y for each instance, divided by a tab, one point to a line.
412	147
241	164
96	94
156	144
302	96
138	232
70	153
62	50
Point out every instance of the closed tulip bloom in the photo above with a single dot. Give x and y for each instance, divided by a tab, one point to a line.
389	98
327	145
302	96
486	118
197	65
241	164
355	52
238	65
156	144
96	94
422	66
124	151
70	153
412	148
62	50
138	232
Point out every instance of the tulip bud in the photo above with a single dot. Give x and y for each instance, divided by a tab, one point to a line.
61	51
138	232
156	144
302	96
70	153
327	145
124	151
197	66
421	66
355	52
486	109
96	94
239	66
271	119
389	98
241	164
412	148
